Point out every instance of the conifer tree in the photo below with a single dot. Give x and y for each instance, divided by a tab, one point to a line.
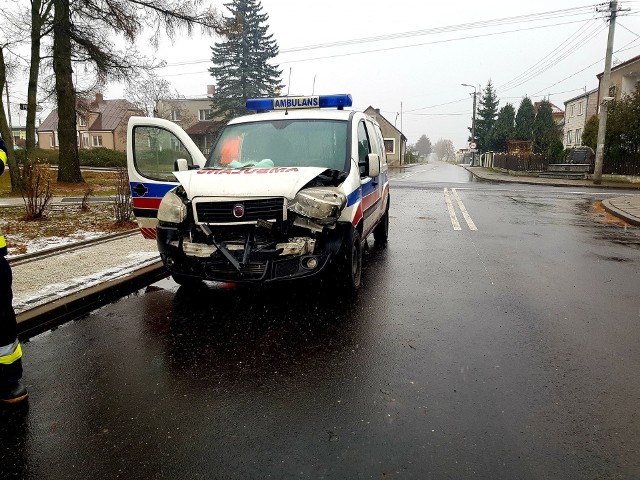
241	62
545	130
486	116
504	128
524	120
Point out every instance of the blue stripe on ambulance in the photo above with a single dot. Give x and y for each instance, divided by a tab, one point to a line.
154	190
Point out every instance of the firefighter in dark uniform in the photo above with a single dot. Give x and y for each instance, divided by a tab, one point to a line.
11	388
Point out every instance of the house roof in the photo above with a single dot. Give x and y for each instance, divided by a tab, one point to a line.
376	112
621	65
582	95
110	115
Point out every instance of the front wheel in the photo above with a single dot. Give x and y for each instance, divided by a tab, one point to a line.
350	266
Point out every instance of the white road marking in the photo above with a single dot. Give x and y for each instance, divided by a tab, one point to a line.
465	214
452	212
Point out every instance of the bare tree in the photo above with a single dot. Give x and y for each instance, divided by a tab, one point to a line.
444	150
147	93
40	26
81	33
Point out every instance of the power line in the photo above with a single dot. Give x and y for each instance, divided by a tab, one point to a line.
622	49
541	65
553	14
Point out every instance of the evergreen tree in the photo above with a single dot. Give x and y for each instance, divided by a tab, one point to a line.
504	128
524	120
590	134
544	128
486	116
241	62
423	145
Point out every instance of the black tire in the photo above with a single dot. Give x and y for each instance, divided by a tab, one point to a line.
186	280
350	265
381	232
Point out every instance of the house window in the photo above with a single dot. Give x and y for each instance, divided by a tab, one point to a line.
569	137
175	116
51	144
55	139
82	122
85	140
578	136
580	108
390	145
96	140
205	114
573	110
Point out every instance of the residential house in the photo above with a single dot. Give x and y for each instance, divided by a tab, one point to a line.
577	111
195	115
556	112
100	123
395	143
624	80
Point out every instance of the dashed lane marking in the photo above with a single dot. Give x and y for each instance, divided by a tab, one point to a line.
465	214
452	212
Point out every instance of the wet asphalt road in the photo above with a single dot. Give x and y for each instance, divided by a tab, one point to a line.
510	351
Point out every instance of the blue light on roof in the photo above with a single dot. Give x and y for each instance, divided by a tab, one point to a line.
291	103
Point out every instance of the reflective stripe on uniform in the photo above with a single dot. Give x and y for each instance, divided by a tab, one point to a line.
3	156
3	242
10	353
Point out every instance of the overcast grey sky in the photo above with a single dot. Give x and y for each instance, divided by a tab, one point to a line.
425	70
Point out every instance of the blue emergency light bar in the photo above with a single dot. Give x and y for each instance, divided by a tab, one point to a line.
290	103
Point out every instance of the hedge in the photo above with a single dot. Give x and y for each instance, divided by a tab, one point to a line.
93	157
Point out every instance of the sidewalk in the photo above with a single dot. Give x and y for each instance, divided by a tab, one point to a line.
625	207
61	282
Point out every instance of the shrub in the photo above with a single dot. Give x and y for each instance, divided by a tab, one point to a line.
36	189
102	157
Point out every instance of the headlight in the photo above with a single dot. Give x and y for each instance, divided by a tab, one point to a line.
172	208
322	204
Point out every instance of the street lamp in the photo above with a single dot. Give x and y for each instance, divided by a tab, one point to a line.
473	121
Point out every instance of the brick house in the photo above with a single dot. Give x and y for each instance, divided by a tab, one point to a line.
194	114
395	143
577	111
100	123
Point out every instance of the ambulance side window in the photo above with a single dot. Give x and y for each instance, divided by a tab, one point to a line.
364	147
155	151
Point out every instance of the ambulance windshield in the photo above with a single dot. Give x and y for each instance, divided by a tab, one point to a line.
282	143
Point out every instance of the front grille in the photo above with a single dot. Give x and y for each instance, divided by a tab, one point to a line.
222	212
225	271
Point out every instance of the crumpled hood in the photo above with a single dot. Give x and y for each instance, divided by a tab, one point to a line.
250	182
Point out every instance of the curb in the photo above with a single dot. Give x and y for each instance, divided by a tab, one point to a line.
629	186
51	315
608	206
25	257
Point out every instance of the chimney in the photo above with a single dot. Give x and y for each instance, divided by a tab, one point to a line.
377	111
99	98
211	89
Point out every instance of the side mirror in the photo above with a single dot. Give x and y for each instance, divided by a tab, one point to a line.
181	165
373	165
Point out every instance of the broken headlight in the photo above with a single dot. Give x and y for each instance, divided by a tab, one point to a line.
172	208
322	204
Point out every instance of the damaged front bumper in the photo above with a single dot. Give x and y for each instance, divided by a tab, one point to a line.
255	258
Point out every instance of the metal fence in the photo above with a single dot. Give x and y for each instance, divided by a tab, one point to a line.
629	165
527	162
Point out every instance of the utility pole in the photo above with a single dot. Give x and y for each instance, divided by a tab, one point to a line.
400	152
604	102
473	122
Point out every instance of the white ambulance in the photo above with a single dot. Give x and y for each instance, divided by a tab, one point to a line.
289	192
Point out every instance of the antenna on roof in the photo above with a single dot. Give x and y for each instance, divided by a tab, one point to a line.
286	110
313	89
